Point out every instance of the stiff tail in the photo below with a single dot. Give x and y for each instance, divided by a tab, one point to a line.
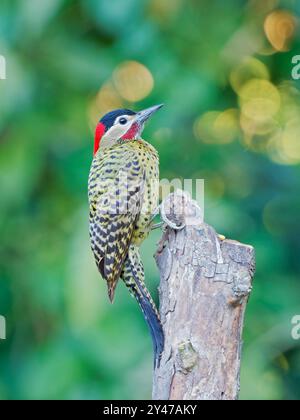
133	277
153	321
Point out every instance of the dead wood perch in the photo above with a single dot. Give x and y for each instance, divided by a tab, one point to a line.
204	289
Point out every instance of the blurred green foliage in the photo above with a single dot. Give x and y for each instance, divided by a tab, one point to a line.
65	341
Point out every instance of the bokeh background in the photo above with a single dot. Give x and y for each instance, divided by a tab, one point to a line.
224	71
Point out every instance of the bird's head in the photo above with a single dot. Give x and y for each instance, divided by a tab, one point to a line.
121	124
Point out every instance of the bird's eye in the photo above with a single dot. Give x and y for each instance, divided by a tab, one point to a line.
123	121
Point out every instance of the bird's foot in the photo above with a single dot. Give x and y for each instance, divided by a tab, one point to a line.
178	210
221	237
172	210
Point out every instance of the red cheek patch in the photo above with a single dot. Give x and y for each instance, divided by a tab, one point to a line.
100	130
131	133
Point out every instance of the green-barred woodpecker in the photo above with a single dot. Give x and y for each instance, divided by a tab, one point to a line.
123	197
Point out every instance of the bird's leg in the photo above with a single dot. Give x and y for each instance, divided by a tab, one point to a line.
155	213
157	225
166	221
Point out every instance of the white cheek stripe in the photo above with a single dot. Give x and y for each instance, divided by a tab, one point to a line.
116	132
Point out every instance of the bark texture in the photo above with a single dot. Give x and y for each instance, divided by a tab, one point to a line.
204	289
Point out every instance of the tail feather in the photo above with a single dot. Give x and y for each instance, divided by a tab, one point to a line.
154	324
133	277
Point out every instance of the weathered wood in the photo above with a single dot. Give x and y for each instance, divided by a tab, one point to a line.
204	289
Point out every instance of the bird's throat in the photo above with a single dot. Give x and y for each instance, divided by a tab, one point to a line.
132	133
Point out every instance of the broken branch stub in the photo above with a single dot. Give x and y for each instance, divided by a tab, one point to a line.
204	289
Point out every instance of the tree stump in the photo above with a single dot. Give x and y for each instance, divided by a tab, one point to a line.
205	285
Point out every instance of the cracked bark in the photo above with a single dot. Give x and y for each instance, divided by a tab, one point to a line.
204	289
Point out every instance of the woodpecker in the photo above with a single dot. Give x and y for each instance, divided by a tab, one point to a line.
123	197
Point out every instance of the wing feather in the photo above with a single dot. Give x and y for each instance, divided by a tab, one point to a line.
116	187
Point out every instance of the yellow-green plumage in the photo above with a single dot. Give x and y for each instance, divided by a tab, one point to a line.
123	195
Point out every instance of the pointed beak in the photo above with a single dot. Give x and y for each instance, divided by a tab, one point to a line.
143	116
